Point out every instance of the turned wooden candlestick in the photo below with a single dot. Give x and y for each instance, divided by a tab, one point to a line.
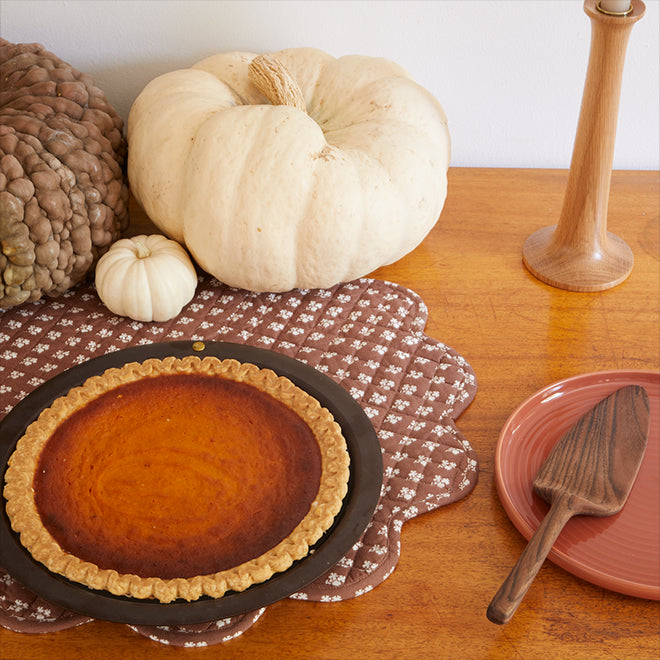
578	253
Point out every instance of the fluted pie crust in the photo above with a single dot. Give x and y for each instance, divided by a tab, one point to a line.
40	444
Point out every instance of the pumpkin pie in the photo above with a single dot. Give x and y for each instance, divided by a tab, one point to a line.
177	478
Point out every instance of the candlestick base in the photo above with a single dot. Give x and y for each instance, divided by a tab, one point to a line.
579	254
557	264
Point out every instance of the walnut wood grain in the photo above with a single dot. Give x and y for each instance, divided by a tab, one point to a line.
519	335
590	471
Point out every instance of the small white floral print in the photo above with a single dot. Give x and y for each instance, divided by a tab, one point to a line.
335	579
441	482
407	493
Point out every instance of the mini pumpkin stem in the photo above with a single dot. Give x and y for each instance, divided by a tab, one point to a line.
272	78
142	250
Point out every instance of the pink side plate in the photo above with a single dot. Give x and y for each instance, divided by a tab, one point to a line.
620	552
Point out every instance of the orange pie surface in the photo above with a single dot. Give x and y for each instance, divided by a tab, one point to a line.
206	474
177	478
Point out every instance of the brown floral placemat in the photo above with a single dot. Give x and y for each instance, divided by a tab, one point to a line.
367	335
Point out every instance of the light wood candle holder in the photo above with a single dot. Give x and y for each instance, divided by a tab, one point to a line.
579	254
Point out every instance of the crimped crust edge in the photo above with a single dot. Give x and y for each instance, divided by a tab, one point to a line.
25	520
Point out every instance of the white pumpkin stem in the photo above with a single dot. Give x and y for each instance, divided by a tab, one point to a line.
271	77
142	250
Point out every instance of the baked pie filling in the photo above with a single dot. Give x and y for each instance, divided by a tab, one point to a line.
177	479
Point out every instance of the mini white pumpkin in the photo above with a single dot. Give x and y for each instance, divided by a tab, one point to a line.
292	170
147	278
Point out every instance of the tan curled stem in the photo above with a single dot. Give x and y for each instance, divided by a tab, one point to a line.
272	78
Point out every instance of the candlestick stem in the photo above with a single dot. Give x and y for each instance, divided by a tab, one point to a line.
579	254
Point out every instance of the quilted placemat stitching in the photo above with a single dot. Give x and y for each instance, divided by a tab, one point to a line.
315	327
191	636
23	611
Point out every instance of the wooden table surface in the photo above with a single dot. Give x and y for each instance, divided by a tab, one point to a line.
519	335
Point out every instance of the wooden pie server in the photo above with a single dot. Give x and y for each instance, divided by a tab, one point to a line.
590	471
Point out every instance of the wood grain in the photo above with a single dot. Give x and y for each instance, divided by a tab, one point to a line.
598	458
578	253
519	335
590	471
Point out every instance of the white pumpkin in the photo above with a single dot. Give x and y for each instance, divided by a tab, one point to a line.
147	278
295	170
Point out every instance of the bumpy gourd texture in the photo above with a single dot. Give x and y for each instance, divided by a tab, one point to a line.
275	197
63	190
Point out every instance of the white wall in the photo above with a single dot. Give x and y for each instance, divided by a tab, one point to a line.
509	73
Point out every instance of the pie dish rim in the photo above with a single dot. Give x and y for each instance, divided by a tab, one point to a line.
364	491
34	536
